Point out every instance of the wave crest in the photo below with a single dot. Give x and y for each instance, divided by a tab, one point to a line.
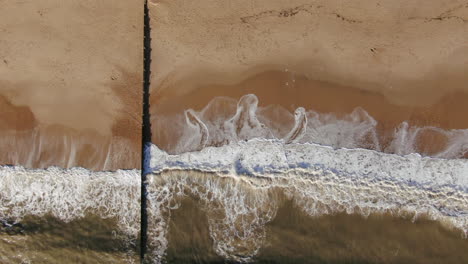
69	194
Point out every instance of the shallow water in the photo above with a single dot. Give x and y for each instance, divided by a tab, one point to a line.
238	181
225	120
284	168
294	237
69	215
46	239
260	200
240	187
211	219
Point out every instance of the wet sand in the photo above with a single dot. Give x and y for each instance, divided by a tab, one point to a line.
72	74
291	90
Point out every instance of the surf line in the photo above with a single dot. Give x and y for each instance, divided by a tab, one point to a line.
146	131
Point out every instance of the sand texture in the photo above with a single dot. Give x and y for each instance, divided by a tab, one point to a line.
70	83
390	47
399	60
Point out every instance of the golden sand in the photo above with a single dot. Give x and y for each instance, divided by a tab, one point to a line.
399	48
72	74
399	61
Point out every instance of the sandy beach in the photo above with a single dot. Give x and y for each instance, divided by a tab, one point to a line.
70	85
399	49
290	95
399	61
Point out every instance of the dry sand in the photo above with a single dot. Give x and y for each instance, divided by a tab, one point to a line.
70	83
399	60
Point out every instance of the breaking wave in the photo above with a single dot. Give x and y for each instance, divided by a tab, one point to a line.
225	121
240	184
71	194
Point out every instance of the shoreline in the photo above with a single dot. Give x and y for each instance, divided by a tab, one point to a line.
68	92
290	90
46	146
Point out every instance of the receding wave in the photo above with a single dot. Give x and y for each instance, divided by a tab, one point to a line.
239	185
43	147
225	121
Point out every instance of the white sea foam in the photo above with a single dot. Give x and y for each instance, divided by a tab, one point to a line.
236	216
244	176
70	194
258	157
405	140
224	121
